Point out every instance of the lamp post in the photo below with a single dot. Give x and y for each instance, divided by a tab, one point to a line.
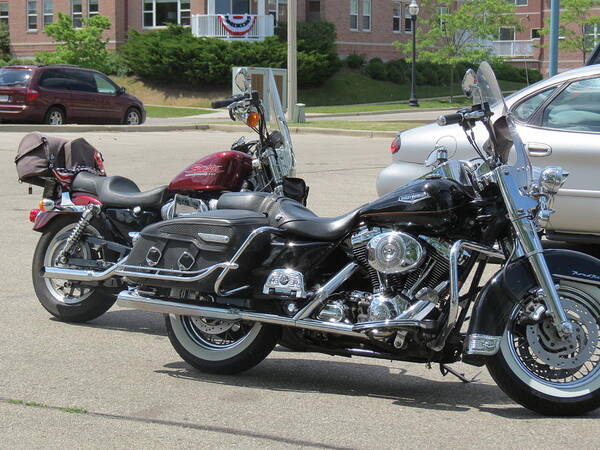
413	10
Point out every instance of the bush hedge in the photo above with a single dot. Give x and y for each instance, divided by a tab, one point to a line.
430	74
175	55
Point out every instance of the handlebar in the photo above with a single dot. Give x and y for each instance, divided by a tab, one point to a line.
228	101
461	116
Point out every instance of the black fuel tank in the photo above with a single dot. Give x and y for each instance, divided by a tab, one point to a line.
429	205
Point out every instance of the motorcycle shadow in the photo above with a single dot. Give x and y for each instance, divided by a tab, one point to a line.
128	320
362	380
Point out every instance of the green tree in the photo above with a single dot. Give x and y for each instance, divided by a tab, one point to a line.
452	32
576	24
83	46
4	41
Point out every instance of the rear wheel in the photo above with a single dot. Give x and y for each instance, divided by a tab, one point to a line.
221	346
547	373
55	116
133	117
68	300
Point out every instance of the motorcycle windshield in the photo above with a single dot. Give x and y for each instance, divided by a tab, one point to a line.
277	121
491	93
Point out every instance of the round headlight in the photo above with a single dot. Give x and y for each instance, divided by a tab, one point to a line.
552	179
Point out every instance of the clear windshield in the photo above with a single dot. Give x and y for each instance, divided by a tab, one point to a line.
277	121
15	77
490	92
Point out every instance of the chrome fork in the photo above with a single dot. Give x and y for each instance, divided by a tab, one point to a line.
519	209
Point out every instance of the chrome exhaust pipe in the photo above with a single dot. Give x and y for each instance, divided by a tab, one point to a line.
83	275
131	299
411	318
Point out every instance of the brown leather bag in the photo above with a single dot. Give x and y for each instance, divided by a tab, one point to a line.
37	155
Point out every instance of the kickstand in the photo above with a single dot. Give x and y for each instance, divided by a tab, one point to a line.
445	370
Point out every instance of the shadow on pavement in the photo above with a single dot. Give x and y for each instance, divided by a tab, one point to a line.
128	320
360	380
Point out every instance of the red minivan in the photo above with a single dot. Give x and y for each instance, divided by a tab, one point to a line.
59	94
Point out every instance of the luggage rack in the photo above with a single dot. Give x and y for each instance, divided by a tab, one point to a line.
120	268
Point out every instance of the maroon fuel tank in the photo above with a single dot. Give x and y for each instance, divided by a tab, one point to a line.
223	171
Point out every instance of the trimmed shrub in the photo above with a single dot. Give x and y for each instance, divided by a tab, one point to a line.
175	55
376	69
355	61
397	71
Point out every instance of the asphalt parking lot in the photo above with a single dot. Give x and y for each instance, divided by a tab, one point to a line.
117	383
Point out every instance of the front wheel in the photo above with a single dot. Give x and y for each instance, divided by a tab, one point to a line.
549	374
133	117
68	300
221	346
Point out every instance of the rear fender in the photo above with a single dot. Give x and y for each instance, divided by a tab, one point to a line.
45	217
510	285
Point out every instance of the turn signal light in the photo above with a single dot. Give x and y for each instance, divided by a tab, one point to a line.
33	214
31	95
395	144
46	204
253	119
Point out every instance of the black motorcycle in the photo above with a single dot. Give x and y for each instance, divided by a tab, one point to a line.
384	280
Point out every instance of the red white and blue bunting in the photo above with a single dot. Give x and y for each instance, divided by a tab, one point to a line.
237	24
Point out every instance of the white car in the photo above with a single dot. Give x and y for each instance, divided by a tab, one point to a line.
559	121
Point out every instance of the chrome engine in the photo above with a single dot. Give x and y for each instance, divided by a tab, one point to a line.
182	205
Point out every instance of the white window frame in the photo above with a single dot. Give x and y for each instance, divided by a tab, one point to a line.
354	13
367	4
508	28
47	14
531	34
90	12
153	12
76	15
520	2
4	13
30	14
595	35
443	11
408	17
397	3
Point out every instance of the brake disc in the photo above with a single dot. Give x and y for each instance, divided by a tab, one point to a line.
570	352
213	326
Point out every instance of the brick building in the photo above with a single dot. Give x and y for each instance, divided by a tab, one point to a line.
367	27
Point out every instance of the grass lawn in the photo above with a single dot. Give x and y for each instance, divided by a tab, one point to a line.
165	111
357	125
425	104
352	87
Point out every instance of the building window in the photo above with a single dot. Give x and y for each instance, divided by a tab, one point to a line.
407	22
77	13
32	15
443	11
366	15
93	9
160	13
48	12
592	35
396	17
535	33
507	33
314	11
4	13
354	14
519	2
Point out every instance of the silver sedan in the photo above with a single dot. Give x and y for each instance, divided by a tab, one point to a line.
559	121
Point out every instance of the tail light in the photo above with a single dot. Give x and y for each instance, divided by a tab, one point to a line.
395	144
31	95
33	214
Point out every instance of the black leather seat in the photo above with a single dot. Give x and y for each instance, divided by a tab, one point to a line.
119	191
291	216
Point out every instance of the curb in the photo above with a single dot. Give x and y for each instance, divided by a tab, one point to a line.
184	127
379	113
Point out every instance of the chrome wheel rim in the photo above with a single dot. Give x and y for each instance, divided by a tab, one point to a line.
65	291
550	364
55	118
216	334
133	118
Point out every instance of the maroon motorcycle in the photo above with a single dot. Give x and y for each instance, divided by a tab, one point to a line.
89	220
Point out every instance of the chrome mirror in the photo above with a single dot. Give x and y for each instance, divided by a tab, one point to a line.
469	80
243	81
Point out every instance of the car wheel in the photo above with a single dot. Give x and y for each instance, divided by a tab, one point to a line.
55	116
133	117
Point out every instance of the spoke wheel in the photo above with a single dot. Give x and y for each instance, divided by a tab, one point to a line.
133	117
548	373
55	116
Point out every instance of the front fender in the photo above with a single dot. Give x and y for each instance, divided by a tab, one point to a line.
510	285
